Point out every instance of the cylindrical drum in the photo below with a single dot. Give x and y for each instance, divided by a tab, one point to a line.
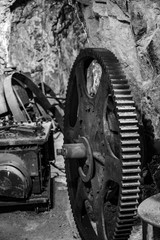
15	181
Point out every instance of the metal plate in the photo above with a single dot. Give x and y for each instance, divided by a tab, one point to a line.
149	210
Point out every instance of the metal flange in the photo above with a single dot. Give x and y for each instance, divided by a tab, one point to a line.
73	151
86	177
80	150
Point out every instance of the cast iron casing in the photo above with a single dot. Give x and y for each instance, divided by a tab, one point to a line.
25	152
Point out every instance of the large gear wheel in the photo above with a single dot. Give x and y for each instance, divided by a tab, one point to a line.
100	114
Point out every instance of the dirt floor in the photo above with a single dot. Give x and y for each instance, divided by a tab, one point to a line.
56	224
28	225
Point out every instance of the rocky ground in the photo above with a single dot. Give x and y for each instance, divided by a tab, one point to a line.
57	224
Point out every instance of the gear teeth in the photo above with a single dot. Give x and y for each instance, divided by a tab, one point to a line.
122	236
124	102
122	91
122	232
130	145
127	114
129	128
126	220
130	184
119	86
131	191
131	164
131	156
131	149
129	171
134	177
130	197
127	209
113	67
126	108
123	96
129	135
116	71
119	79
127	215
125	204
128	121
119	227
130	142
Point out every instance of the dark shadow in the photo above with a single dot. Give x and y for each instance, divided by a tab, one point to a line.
12	205
19	3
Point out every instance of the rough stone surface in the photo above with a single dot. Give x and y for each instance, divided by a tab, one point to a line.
45	39
130	29
5	23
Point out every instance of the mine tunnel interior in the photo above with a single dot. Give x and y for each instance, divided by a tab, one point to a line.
89	71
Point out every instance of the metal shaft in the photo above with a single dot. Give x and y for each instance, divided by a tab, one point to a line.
73	150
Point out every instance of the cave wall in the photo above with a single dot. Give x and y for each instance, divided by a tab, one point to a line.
5	27
43	37
131	30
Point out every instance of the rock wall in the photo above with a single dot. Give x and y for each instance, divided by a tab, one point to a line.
43	37
131	30
5	27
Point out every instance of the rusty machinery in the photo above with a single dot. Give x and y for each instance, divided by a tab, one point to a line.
26	143
102	147
112	160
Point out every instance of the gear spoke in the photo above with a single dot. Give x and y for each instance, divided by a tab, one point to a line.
79	198
80	79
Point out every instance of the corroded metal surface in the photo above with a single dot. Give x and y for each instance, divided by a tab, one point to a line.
16	101
100	108
24	163
26	144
